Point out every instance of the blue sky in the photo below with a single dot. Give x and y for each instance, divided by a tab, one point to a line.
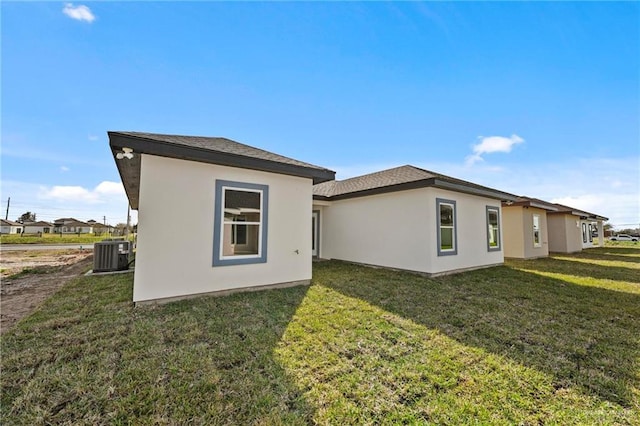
537	99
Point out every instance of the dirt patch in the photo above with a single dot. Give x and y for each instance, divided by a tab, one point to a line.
35	276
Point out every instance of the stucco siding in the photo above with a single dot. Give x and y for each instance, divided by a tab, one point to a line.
513	225
176	227
386	230
471	233
399	230
564	233
530	249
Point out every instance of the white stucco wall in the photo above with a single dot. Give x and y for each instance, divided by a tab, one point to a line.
36	229
399	230
175	230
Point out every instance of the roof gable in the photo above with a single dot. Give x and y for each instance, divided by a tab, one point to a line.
400	179
212	150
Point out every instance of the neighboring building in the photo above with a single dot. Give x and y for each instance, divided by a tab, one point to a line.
10	227
100	228
70	225
526	231
409	218
40	227
571	230
247	210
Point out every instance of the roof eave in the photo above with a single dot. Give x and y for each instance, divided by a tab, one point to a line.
130	173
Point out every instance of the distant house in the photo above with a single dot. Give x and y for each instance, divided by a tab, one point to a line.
409	218
40	227
249	214
534	227
10	227
526	230
100	228
571	230
69	225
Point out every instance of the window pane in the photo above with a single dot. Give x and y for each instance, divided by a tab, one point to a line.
241	202
240	207
240	240
493	228
446	238
446	215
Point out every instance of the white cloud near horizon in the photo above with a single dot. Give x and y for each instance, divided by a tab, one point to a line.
79	13
98	195
107	198
491	144
64	169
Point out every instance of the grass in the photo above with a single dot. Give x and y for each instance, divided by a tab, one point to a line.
549	341
51	239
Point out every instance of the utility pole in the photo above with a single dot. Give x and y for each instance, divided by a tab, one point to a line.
6	216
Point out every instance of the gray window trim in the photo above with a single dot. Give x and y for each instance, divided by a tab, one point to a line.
219	218
455	227
499	247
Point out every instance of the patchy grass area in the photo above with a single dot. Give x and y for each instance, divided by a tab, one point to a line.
506	345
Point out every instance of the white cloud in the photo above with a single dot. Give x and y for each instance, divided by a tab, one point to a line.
491	144
64	169
53	202
99	195
93	137
79	13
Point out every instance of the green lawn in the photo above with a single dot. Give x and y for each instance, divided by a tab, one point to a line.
51	238
550	341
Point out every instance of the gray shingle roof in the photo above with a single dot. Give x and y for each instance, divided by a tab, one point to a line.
218	144
211	150
9	223
398	179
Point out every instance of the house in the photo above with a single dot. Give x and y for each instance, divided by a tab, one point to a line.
100	228
40	227
10	227
571	230
409	218
526	231
248	214
70	225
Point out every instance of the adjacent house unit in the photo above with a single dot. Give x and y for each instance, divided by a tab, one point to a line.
40	227
10	227
248	214
571	230
70	225
409	218
526	231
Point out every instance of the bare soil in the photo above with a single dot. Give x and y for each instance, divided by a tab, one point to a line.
29	278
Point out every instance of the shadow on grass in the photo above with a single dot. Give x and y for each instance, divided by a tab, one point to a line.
580	269
91	357
585	337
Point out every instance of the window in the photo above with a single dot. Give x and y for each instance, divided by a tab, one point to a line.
447	239
536	231
493	228
240	228
584	232
591	229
